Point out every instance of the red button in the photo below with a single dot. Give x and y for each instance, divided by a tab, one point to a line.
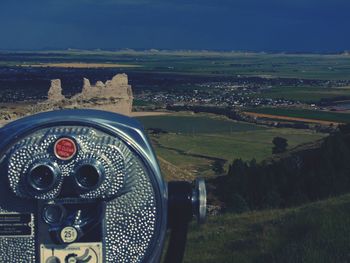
65	149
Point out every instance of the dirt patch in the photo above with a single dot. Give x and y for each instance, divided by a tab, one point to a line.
172	172
148	113
3	122
287	118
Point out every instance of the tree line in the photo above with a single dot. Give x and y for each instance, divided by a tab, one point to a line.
318	171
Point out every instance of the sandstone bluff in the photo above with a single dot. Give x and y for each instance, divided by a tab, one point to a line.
114	95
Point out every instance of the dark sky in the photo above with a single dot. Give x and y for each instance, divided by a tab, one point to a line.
250	25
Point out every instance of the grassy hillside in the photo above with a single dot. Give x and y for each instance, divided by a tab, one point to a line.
196	124
313	232
317	232
245	145
194	142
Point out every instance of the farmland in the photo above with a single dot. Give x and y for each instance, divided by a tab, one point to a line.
308	66
196	124
307	94
162	78
306	114
193	142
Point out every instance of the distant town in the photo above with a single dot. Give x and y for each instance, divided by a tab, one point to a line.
238	94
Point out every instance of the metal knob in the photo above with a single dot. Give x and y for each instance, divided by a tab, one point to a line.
199	200
186	200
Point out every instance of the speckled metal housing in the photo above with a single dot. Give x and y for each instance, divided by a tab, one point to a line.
134	191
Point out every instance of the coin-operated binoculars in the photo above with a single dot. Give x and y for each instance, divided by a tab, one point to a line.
85	186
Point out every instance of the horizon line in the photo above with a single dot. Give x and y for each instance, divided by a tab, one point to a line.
155	50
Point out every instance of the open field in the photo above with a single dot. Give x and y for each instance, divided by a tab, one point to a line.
148	113
307	94
317	232
307	78
80	65
193	143
304	114
307	66
286	118
245	145
196	124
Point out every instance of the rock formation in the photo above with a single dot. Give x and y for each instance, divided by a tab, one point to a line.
55	91
86	85
117	88
115	95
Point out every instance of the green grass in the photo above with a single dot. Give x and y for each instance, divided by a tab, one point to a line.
196	124
185	165
317	232
194	140
306	94
307	114
246	145
310	66
140	103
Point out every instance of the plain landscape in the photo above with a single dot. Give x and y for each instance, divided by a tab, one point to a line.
217	115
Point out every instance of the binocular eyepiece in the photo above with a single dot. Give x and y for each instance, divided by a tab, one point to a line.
88	177
42	177
85	186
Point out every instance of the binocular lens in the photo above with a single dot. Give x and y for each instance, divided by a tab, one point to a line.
42	177
88	177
